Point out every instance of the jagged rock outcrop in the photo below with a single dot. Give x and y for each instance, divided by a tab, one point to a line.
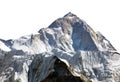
53	68
96	66
67	50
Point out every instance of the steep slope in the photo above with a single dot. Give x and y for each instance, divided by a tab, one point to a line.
68	49
94	65
4	46
69	33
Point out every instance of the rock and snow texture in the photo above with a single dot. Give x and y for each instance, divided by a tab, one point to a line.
69	33
97	66
3	46
87	54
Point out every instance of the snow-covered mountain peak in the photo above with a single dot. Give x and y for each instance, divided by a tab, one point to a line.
66	21
70	15
67	50
83	37
68	33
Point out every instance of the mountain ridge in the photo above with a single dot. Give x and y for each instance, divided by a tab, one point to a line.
82	54
71	27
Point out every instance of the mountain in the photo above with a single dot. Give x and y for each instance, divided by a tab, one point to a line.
67	50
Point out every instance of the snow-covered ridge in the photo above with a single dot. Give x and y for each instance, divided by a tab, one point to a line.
87	54
64	33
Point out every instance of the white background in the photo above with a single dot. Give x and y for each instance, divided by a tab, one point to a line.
24	17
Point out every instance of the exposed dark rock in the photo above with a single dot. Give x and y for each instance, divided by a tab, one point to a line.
61	74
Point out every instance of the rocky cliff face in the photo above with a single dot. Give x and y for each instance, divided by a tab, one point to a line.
68	50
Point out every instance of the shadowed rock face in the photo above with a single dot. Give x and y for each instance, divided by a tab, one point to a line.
61	74
52	69
52	78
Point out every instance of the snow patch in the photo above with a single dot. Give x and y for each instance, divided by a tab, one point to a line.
24	75
4	47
